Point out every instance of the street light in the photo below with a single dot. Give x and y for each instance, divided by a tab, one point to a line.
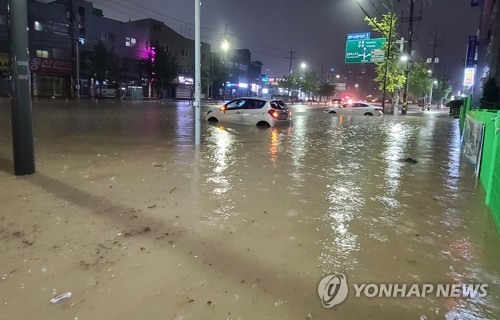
404	58
303	65
225	45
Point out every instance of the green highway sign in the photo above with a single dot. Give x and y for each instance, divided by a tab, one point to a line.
365	51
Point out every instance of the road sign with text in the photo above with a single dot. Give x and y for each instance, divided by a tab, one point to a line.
365	51
359	36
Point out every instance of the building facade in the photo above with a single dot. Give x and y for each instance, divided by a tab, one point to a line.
64	35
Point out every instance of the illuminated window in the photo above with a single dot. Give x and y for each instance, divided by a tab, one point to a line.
38	26
42	54
131	42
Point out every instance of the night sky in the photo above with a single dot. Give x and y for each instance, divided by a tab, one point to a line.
316	29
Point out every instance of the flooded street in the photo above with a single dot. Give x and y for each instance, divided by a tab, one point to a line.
126	215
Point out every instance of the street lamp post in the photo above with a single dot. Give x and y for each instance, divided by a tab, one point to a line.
197	73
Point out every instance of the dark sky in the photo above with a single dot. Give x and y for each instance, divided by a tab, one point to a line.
315	29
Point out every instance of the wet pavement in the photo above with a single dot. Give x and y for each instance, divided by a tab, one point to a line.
125	214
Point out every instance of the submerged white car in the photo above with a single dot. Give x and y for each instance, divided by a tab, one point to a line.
357	108
252	111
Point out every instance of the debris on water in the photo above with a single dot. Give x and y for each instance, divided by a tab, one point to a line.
410	160
60	297
309	317
209	302
152	206
173	189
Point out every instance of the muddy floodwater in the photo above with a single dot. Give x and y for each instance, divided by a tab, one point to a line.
126	215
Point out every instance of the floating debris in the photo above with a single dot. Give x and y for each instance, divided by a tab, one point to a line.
60	297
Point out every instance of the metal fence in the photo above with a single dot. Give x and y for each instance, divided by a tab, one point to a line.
490	160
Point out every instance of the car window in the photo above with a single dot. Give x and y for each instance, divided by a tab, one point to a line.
254	104
278	105
236	104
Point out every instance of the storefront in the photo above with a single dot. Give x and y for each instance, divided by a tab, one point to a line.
51	77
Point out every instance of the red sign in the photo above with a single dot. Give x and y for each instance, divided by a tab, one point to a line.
51	66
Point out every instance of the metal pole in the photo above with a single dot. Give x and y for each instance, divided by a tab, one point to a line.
22	124
407	71
197	72
78	68
387	63
211	75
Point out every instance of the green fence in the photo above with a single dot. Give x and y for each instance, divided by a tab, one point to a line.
490	161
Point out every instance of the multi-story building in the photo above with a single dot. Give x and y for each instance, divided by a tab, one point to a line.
181	48
488	64
64	33
243	73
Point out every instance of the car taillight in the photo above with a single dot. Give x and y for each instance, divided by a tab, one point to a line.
275	114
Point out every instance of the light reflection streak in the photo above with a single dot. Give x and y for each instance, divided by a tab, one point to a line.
395	150
273	145
299	147
453	163
221	159
345	202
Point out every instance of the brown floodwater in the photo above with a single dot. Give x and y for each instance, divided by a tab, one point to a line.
136	223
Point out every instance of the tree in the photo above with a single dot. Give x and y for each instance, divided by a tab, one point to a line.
309	83
396	79
218	73
103	64
290	83
420	81
159	67
442	89
327	90
490	91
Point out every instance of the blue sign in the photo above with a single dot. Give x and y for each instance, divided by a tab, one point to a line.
359	36
471	52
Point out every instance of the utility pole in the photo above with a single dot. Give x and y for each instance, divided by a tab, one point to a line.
409	52
291	57
434	59
387	57
389	44
74	19
22	124
197	72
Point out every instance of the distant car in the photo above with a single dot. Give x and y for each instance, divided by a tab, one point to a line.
454	106
252	111
336	102
357	108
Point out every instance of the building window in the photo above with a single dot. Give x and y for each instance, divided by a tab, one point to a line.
108	37
38	26
42	54
131	42
184	52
